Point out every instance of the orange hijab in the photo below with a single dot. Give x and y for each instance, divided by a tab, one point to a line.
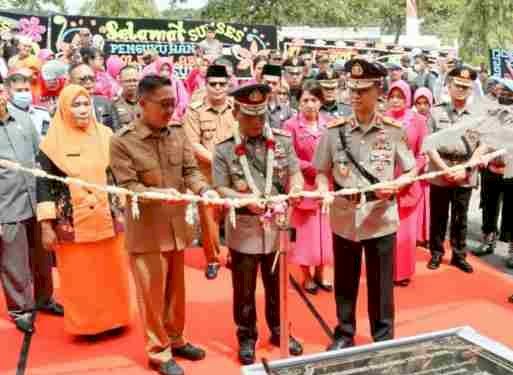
82	153
66	140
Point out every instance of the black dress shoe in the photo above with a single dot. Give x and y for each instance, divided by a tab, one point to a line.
509	261
485	249
462	264
25	323
295	347
53	308
322	285
190	352
247	352
339	344
167	368
212	270
434	262
311	288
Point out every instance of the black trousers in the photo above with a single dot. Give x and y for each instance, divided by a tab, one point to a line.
507	211
41	262
244	280
379	262
456	199
492	185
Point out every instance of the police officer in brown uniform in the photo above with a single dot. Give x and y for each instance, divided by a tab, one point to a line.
358	151
207	122
127	104
252	244
453	190
149	155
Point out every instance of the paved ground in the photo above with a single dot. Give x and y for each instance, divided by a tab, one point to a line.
475	237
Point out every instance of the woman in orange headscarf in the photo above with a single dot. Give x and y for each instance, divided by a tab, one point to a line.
84	226
33	65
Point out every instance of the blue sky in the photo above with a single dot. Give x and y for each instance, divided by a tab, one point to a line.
74	5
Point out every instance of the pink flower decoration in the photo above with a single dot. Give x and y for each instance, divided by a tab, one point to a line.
32	28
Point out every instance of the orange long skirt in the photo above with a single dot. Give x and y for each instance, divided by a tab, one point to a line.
94	285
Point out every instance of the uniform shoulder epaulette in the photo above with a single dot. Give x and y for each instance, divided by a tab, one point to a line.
281	132
196	104
125	129
339	121
391	122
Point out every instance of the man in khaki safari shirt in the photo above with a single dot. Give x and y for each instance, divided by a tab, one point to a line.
207	122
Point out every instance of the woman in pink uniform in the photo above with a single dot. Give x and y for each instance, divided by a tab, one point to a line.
423	102
409	199
313	246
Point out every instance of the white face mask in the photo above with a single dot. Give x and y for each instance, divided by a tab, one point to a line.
22	99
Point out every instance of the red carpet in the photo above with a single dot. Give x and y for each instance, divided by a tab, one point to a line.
435	300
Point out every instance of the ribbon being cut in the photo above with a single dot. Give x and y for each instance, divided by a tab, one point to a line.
493	139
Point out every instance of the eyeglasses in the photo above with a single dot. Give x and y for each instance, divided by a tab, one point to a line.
220	84
463	88
86	79
164	103
271	83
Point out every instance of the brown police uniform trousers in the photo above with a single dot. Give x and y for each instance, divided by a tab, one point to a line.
146	160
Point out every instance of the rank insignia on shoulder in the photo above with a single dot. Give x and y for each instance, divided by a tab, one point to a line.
281	132
337	122
391	122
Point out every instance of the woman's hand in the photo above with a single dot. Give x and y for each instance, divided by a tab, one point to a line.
48	236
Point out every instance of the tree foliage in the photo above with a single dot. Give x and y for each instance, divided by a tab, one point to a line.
282	12
489	26
120	8
34	5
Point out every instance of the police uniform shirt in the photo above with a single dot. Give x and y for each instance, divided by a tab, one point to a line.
336	109
127	111
277	114
379	150
249	236
443	116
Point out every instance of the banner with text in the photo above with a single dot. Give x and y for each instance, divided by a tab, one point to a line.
501	62
176	39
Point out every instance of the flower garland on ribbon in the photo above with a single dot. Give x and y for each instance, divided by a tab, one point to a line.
241	152
272	211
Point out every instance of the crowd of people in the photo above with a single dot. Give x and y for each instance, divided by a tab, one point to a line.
302	123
